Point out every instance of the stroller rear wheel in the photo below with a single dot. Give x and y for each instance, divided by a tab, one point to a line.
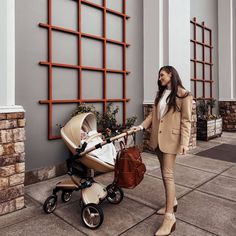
114	194
66	196
92	215
50	204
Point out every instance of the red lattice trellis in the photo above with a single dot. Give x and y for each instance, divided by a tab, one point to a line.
200	78
50	64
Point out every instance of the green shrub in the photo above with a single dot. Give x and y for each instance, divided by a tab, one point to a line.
106	122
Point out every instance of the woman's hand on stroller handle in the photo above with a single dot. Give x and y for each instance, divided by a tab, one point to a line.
136	128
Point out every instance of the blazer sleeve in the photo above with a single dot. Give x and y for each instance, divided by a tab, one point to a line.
148	121
186	116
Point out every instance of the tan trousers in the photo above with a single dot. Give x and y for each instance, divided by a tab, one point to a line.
167	164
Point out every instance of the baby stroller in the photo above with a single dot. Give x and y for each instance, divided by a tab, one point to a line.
89	153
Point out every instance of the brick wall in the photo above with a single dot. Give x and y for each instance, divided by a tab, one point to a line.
12	161
45	173
193	138
147	108
227	110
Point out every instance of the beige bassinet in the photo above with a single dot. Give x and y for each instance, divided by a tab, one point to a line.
71	134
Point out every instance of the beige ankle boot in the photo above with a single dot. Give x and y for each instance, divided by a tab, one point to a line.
162	211
168	225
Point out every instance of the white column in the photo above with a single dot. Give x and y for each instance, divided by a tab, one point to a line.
7	57
179	38
234	45
166	41
226	50
153	46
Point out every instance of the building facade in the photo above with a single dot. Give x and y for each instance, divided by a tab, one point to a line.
155	32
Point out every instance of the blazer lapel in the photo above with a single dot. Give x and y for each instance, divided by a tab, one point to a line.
165	111
158	108
158	111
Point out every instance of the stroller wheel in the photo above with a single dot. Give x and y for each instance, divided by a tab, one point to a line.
66	196
50	204
114	194
92	215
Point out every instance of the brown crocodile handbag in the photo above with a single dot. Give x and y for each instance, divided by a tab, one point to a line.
129	168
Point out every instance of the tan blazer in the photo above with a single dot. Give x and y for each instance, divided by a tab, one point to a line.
174	128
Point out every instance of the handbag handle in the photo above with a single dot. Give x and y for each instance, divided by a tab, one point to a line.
122	145
126	138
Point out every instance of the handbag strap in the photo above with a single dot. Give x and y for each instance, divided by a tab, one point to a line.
122	145
126	138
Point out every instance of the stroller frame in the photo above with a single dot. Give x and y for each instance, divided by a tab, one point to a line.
92	192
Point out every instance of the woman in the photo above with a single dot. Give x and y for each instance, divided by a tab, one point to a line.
170	122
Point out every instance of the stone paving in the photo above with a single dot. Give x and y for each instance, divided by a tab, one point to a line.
206	193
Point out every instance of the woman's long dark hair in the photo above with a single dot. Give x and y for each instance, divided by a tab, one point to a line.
175	83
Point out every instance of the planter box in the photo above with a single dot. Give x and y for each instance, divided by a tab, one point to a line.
208	129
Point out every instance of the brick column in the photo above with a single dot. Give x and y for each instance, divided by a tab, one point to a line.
12	161
227	110
147	108
193	138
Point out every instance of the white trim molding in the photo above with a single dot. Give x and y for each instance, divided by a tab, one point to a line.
227	100
11	109
148	102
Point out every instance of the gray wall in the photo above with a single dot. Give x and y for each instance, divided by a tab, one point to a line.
206	10
31	79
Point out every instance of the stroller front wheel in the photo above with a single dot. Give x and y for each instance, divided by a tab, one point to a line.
114	194
92	215
50	204
66	196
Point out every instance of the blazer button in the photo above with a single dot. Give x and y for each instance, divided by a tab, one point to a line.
161	121
160	131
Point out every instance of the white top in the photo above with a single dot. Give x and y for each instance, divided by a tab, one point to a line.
163	101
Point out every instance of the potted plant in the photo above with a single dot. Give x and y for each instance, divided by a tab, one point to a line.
208	125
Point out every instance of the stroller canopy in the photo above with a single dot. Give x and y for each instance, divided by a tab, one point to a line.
83	122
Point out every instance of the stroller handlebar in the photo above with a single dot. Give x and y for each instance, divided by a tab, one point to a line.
81	151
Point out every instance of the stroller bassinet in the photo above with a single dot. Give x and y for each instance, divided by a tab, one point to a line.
71	134
88	154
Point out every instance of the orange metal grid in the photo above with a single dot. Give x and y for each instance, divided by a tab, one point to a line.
79	67
202	60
